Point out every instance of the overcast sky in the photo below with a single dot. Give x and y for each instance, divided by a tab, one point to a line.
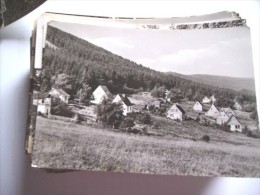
225	52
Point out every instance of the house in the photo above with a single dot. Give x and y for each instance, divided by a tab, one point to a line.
43	102
237	106
101	93
176	113
60	94
228	111
234	124
127	105
213	99
199	107
222	118
212	112
206	100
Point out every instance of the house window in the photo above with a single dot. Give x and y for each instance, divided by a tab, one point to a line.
42	101
237	126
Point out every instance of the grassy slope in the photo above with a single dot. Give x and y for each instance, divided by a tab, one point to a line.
80	147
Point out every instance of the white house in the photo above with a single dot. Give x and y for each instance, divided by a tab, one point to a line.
43	102
44	106
198	106
127	105
228	111
237	106
101	93
213	99
206	100
222	118
176	113
234	124
59	93
212	112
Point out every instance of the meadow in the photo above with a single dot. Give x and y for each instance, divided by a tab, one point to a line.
178	149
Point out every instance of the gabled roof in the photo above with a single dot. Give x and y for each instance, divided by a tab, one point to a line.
106	90
61	91
199	103
214	106
205	97
39	95
125	100
233	121
226	110
206	107
223	113
179	108
237	104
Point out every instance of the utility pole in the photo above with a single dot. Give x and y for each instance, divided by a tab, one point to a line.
80	96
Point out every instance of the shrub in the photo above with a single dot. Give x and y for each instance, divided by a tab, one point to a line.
145	119
60	108
205	138
127	122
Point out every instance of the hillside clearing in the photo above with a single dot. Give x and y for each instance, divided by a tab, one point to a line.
82	147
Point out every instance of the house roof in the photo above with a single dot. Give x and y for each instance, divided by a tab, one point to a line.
226	110
179	108
205	97
199	103
233	121
214	106
39	95
206	107
106	90
62	92
223	113
125	100
237	104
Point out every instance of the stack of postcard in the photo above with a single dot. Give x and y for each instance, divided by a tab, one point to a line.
144	95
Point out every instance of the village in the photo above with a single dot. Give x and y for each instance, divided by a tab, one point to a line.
204	112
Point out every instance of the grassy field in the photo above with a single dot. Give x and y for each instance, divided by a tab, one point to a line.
178	149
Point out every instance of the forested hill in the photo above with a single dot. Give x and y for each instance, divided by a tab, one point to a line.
221	81
74	62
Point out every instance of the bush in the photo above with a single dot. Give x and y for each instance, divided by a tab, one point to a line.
205	138
145	119
61	109
110	114
127	122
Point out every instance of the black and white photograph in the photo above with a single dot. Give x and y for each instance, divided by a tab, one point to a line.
170	101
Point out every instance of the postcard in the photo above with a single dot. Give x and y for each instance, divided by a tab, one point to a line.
169	96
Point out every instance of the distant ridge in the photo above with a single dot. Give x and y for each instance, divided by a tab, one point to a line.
234	83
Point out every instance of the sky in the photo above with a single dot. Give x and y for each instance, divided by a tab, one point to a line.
223	52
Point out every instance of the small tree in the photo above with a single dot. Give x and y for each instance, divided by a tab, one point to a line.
60	108
110	114
85	95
